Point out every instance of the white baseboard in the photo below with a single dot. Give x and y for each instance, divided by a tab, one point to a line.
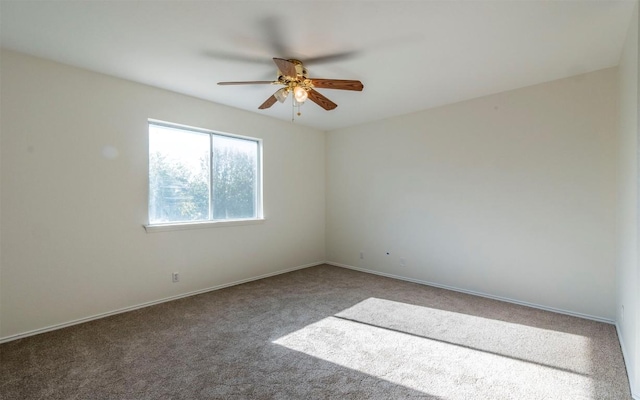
196	292
150	303
634	396
625	357
472	292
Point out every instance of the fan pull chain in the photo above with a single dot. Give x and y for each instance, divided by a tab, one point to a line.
295	104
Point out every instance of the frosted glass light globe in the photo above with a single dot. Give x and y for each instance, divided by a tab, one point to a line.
300	94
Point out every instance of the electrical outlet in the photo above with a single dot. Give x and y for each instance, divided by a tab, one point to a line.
362	255
175	277
403	262
622	313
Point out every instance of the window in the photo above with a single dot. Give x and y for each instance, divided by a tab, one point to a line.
196	175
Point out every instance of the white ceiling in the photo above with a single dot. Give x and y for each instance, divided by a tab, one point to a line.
410	55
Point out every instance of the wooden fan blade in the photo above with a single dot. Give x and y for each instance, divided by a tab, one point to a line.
247	83
229	56
268	103
274	35
342	84
345	55
286	67
320	100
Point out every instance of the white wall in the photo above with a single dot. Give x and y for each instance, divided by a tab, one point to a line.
0	203
628	287
511	195
73	244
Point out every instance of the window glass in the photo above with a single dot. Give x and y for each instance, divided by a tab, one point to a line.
234	170
200	176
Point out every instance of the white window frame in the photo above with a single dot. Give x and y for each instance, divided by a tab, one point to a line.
210	223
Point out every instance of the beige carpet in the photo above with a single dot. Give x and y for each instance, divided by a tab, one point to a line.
319	333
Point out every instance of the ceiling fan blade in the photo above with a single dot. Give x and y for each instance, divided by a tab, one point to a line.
342	84
275	35
331	57
248	83
286	67
268	103
320	100
227	56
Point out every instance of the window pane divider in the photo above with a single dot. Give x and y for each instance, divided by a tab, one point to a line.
210	177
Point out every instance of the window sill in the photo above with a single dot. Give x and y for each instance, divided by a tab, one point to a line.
181	226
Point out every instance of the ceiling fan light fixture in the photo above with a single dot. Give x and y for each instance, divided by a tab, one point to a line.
282	94
293	76
300	94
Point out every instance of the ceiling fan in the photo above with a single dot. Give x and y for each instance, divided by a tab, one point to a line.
292	75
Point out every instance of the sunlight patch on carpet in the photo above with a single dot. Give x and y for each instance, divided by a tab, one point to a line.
448	354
